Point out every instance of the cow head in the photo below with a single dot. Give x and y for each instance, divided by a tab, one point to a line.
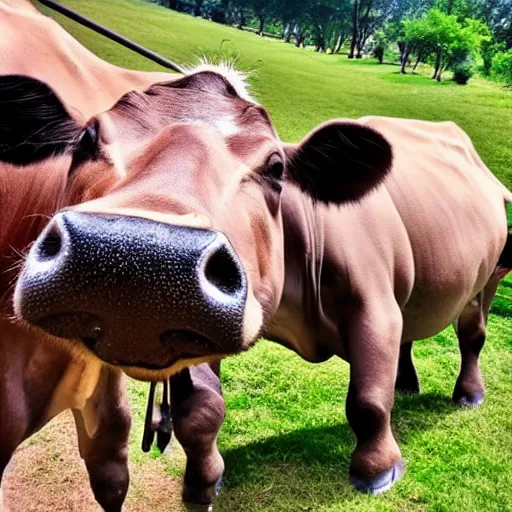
169	248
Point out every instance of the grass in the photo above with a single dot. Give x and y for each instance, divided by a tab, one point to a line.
286	440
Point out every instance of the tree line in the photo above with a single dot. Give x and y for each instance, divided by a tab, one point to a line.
448	34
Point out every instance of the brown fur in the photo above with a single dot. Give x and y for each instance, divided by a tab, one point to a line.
380	232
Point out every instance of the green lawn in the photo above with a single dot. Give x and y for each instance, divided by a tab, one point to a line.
286	440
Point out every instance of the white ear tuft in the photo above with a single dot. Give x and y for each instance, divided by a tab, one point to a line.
237	78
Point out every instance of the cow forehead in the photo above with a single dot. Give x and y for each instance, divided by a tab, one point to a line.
203	98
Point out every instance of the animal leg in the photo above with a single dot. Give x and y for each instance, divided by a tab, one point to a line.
198	411
103	426
373	349
407	379
471	329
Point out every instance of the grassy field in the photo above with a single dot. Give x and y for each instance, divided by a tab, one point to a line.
286	440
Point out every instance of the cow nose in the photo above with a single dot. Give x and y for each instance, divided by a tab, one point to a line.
218	270
135	291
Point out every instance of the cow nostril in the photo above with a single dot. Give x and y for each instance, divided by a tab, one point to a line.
223	272
90	343
51	245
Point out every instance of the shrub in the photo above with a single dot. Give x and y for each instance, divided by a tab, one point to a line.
462	73
502	67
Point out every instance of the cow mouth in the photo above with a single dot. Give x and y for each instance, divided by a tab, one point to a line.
117	348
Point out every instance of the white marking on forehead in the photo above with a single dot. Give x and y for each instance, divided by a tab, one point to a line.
235	77
226	125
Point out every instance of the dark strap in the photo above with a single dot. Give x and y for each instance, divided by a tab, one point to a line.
118	38
149	434
164	430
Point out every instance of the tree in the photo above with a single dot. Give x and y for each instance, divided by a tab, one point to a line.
489	50
502	67
441	37
367	16
327	20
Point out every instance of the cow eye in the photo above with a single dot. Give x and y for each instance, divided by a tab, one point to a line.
275	167
87	146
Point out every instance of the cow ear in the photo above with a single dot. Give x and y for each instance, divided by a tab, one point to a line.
33	122
339	161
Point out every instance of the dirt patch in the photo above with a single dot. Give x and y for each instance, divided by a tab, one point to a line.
48	475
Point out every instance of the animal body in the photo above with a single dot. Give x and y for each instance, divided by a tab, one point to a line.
182	229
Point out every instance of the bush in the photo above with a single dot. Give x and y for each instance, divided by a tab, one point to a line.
502	67
462	73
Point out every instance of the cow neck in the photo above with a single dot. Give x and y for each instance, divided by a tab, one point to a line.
29	195
300	306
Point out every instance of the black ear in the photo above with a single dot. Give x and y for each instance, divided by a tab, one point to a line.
33	122
339	161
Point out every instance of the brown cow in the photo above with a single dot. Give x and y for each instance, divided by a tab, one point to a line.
197	230
39	375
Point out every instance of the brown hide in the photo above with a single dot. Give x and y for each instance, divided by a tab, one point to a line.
41	377
188	228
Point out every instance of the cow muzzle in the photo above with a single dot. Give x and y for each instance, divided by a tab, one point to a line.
136	292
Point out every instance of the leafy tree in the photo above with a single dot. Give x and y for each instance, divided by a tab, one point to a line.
502	67
367	16
443	39
489	50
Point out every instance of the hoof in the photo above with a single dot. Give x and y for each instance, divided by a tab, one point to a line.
201	500
380	483
469	399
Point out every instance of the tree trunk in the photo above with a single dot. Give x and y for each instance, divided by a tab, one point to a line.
418	60
439	59
261	27
402	48
403	59
354	29
224	16
241	20
286	29
197	8
360	46
339	44
441	71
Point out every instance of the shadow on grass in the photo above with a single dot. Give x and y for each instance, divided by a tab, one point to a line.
315	451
